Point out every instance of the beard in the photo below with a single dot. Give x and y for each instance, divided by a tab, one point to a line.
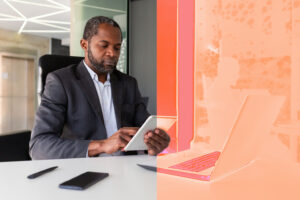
98	65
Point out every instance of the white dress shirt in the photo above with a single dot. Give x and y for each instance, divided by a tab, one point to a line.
106	102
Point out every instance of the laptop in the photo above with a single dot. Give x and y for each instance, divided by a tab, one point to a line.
250	130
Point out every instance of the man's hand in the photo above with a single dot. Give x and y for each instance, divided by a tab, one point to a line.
156	141
114	143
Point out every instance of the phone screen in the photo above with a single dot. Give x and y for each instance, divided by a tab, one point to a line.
83	181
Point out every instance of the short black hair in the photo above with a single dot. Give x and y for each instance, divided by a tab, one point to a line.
91	26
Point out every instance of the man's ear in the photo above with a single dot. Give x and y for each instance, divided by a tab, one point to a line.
84	44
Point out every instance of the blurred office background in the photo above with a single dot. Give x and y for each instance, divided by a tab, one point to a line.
30	29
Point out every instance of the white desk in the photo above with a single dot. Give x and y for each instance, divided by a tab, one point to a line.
126	180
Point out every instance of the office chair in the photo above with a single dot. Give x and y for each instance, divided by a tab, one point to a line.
15	146
50	63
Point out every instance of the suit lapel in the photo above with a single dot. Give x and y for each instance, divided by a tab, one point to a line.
117	95
88	88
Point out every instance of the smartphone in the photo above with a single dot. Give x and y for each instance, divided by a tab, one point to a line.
83	181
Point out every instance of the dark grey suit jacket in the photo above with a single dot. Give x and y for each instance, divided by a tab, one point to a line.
70	115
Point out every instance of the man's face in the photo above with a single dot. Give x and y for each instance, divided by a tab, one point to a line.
103	49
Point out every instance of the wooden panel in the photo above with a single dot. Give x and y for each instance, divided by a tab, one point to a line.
17	93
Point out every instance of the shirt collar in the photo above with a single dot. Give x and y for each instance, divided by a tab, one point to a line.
94	76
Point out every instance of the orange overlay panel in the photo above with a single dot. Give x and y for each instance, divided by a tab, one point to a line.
234	85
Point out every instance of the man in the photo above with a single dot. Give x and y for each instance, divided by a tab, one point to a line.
92	109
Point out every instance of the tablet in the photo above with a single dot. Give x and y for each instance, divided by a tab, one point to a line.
153	121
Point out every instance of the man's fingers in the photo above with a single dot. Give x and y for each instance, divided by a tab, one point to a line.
162	134
154	144
151	148
122	142
156	140
132	128
161	137
125	136
152	152
155	137
129	130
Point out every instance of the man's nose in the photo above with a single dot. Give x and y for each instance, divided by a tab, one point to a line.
110	52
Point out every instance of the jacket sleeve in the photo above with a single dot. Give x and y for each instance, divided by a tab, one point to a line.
141	113
45	142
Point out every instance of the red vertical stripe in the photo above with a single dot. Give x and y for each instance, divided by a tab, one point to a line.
185	73
166	63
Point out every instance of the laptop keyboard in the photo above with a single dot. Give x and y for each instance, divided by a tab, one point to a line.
198	164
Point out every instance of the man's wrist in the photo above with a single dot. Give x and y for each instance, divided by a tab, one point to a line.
95	148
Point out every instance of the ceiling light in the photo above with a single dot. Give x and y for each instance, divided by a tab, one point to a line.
40	19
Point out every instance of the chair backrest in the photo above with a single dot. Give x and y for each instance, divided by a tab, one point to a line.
15	146
50	63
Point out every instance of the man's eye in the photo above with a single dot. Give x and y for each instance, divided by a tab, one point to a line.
103	45
117	49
